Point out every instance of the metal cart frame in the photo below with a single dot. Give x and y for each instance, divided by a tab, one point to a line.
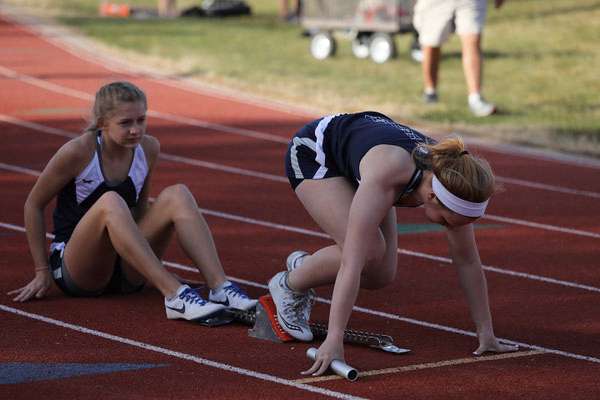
370	23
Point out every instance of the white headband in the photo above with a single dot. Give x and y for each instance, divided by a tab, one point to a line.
456	204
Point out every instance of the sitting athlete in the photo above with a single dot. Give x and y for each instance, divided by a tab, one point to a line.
350	171
108	239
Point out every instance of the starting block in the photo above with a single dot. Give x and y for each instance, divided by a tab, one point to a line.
266	326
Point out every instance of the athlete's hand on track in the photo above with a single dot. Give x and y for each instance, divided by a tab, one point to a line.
492	345
37	288
330	350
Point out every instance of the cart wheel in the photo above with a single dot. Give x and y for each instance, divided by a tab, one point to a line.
382	47
322	45
360	46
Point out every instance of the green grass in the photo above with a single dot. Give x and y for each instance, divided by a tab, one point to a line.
541	66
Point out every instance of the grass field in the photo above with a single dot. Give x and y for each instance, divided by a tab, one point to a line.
541	66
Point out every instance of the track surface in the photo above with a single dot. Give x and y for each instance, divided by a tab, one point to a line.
540	245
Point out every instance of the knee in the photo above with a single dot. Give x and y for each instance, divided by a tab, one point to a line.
384	277
177	196
111	203
375	253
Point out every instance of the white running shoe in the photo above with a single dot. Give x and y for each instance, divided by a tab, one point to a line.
295	259
479	107
188	304
293	308
233	296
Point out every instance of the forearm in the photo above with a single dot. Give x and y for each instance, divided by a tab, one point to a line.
345	292
36	236
473	282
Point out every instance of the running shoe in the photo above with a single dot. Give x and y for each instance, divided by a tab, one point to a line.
479	107
189	305
295	259
293	308
233	296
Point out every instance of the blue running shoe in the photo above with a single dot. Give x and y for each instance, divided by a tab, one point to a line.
233	296
189	305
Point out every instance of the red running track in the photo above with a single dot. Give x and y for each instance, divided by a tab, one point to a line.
540	252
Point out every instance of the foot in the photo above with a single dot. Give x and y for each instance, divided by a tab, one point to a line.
189	305
233	296
430	97
293	308
479	107
295	259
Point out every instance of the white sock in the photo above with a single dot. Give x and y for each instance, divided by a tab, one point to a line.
429	91
474	97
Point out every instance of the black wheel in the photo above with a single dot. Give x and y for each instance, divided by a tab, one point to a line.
382	47
322	45
360	45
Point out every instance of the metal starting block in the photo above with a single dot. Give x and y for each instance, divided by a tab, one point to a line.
267	327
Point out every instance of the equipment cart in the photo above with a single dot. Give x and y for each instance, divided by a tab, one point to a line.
371	25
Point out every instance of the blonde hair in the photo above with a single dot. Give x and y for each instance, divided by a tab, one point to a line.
466	176
109	97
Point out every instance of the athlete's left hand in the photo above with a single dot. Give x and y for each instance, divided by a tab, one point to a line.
492	345
330	350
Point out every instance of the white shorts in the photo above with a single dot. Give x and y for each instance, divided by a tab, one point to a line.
433	19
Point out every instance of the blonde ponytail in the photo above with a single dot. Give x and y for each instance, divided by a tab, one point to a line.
466	176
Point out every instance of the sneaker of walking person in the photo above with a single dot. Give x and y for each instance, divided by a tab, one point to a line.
189	305
295	259
293	308
430	96
231	295
479	107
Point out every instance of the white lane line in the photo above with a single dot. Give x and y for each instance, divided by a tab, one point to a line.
550	188
180	355
52	87
418	367
538	225
377	313
255	134
88	50
277	178
309	232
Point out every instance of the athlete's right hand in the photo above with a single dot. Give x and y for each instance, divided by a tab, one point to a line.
37	288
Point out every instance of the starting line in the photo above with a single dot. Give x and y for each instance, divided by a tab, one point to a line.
437	364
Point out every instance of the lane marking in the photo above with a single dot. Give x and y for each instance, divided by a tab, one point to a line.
377	313
418	367
276	178
255	134
52	87
309	232
79	46
180	355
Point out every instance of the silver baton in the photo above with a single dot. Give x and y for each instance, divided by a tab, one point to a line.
340	368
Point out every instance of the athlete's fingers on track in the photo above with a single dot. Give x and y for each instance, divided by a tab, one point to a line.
501	348
315	367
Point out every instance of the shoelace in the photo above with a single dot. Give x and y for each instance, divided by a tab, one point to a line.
300	306
236	291
191	296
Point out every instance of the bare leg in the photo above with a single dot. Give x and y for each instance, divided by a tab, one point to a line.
328	202
471	59
430	67
107	229
175	209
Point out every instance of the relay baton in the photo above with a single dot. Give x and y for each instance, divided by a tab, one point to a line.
340	368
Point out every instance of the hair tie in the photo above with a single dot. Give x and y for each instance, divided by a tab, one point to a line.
463	153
